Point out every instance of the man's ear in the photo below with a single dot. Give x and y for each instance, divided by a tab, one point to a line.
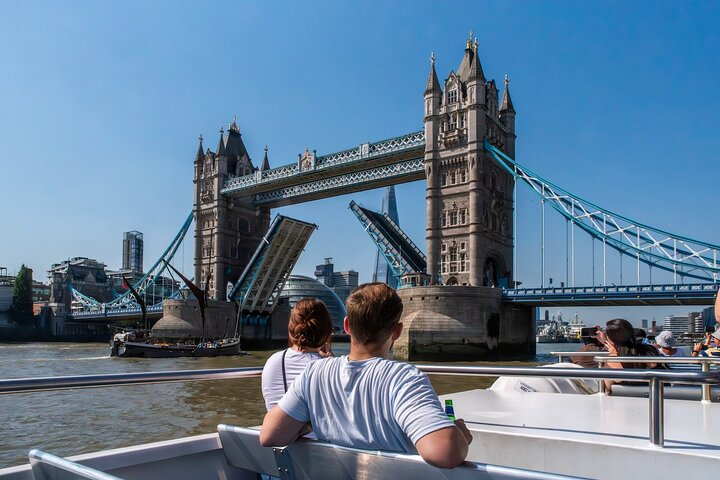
346	326
396	331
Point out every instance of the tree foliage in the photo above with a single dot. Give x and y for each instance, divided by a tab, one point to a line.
21	310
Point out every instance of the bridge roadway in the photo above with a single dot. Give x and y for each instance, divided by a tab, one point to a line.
608	296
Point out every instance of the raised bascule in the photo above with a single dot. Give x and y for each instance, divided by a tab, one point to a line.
461	297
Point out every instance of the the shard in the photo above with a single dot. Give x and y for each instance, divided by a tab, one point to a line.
382	271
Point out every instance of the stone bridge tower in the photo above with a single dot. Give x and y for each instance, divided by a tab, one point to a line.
469	195
227	230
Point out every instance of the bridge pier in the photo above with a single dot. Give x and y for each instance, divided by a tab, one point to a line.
463	323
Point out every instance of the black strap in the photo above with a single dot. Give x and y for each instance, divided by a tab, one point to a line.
283	370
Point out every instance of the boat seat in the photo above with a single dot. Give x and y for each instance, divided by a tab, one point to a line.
46	466
674	392
310	459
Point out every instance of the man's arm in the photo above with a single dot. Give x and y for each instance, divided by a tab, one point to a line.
447	447
279	429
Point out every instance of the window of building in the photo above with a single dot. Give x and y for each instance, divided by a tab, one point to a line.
453	122
453	178
443	179
452	96
462	262
443	263
453	261
462	245
463	176
444	247
453	217
462	121
444	219
462	217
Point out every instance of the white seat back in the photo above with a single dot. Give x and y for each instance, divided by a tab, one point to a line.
46	466
310	459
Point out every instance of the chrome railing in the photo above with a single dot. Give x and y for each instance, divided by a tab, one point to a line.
23	385
562	355
704	363
656	378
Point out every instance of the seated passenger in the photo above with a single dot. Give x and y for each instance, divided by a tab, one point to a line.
710	347
641	336
620	341
592	344
364	400
309	332
665	343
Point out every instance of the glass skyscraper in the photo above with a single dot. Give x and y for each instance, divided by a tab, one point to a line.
133	251
382	271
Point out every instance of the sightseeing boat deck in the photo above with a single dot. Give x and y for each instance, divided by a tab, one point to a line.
518	433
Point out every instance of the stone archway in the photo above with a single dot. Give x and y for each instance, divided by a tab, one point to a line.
490	272
452	281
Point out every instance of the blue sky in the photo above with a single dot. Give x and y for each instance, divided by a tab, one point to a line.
101	104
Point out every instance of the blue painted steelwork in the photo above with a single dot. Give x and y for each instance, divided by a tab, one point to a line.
400	253
674	294
364	155
115	312
261	282
657	248
126	300
367	179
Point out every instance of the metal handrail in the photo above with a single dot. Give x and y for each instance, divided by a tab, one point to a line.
562	355
704	362
23	385
656	378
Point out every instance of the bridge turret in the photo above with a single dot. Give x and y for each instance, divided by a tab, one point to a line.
507	118
200	155
266	162
469	197
228	230
221	144
433	122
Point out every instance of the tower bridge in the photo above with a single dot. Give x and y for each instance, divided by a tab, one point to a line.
470	306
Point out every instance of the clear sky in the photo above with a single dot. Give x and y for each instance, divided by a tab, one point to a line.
101	104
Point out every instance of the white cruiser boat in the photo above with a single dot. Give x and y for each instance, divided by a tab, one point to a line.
533	423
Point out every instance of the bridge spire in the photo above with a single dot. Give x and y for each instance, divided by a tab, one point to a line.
433	85
476	70
221	144
266	162
200	154
506	105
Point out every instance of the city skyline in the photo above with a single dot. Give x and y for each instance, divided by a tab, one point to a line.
591	96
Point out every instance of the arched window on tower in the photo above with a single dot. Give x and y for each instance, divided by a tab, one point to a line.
452	96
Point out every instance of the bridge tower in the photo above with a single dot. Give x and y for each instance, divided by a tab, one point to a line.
469	196
227	230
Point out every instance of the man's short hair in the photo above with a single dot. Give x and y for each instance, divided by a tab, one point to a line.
372	310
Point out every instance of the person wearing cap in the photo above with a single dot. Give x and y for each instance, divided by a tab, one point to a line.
665	342
710	347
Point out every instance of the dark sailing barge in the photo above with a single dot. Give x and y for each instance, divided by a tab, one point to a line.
140	342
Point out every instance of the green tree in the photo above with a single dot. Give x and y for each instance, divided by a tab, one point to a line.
21	310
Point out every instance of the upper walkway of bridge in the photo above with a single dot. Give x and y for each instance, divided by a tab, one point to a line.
373	159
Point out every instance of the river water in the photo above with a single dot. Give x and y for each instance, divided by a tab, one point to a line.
85	420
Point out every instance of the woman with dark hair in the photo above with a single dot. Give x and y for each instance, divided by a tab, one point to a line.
620	341
309	332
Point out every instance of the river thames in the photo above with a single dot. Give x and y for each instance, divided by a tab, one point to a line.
86	420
